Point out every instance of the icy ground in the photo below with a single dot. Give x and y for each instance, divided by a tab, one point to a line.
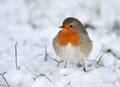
30	25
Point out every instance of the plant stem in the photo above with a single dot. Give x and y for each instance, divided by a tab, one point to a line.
5	80
16	62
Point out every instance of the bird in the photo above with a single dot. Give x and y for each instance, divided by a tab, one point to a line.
72	43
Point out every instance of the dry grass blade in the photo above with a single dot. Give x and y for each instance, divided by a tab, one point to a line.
46	54
16	59
100	62
5	80
37	75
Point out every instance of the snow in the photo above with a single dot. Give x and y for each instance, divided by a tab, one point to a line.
34	23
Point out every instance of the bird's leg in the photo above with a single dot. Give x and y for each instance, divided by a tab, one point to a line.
65	64
83	63
79	65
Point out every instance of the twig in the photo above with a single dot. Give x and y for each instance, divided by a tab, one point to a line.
5	80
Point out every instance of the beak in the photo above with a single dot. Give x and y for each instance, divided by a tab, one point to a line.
61	26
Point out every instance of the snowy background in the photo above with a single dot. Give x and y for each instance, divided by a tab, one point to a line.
30	25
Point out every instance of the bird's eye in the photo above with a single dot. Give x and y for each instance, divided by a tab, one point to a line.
71	26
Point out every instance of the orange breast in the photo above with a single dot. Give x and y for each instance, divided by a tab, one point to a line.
69	36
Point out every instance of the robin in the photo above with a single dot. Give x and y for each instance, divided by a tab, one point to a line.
72	43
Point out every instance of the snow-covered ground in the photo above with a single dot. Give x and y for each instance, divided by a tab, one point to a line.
32	24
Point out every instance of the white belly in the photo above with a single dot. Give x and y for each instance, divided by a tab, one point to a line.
70	52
